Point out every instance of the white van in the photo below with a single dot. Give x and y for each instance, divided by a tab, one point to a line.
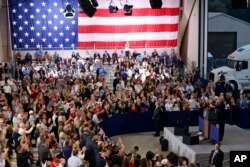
237	71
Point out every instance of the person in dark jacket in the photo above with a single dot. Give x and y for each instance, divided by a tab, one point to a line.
23	156
217	156
157	116
220	109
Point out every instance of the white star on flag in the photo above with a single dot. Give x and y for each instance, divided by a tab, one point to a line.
38	34
38	46
14	11
26	46
32	40
55	16
61	45
14	22
25	10
73	33
49	34
49	10
20	28
31	4
32	28
32	16
61	21
26	22
55	28
67	27
14	34
61	34
55	39
49	46
20	40
43	4
44	16
38	22
61	10
67	39
26	34
44	28
37	10
44	39
49	22
20	16
73	22
55	4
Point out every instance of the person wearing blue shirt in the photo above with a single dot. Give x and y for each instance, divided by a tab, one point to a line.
26	71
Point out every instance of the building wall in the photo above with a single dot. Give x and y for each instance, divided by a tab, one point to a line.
4	43
189	47
226	24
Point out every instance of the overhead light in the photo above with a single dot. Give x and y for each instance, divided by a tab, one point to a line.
69	12
112	7
127	9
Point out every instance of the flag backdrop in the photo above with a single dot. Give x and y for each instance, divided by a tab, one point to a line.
37	23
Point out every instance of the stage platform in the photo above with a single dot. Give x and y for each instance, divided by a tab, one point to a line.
235	139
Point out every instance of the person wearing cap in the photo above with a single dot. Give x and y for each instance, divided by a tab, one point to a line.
56	161
32	118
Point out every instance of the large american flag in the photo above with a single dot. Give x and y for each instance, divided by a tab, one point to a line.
41	23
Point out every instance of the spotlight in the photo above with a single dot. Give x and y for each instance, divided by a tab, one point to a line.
112	7
69	12
127	9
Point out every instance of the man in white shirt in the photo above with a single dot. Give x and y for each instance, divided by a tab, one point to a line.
7	91
7	88
74	161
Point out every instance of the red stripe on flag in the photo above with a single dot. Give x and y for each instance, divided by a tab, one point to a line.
136	12
128	28
133	44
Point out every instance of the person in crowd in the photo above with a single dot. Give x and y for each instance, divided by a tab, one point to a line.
157	116
216	157
58	106
115	57
97	56
106	57
127	49
220	109
39	55
74	161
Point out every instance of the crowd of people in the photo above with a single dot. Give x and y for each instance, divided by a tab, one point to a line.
56	104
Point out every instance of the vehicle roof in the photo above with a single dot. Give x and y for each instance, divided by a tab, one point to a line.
242	53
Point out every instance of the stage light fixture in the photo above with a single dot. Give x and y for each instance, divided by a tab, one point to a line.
87	7
69	12
94	3
127	9
112	7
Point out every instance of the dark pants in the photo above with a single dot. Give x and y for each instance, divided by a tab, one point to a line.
157	126
221	131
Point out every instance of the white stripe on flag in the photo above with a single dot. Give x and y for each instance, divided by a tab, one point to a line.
128	20
127	36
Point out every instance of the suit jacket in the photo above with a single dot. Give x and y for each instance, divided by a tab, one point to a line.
157	113
218	158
